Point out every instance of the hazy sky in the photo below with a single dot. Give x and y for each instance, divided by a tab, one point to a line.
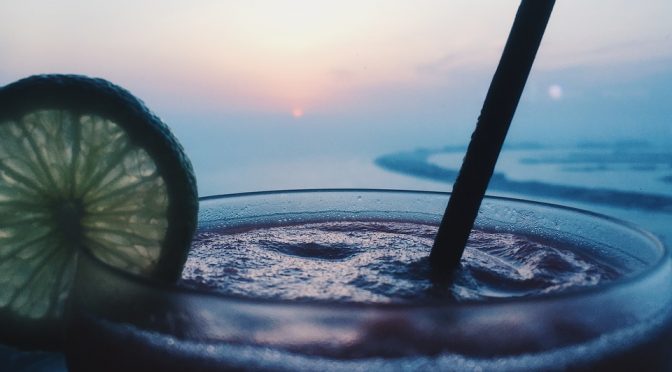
380	75
320	56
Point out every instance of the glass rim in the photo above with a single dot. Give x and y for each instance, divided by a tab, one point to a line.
571	294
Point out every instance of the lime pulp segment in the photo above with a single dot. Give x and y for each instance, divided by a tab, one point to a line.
71	180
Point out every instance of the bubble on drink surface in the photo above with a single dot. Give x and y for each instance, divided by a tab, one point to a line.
379	262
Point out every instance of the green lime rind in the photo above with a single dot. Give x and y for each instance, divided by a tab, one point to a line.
83	164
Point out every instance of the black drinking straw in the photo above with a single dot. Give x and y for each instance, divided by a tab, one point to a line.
488	137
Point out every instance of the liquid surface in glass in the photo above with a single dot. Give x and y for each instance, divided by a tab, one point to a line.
380	262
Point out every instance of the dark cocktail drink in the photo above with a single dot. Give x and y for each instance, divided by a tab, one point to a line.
339	280
375	262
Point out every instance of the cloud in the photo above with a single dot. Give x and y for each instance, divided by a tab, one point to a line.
341	74
440	65
462	60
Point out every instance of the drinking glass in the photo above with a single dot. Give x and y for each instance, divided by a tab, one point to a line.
121	321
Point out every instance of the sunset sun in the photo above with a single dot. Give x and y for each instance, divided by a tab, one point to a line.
297	112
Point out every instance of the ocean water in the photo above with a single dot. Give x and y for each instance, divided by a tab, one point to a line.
631	181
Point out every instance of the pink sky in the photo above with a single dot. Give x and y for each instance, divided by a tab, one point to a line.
313	56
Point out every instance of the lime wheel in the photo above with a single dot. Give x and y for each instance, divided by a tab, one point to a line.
83	165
